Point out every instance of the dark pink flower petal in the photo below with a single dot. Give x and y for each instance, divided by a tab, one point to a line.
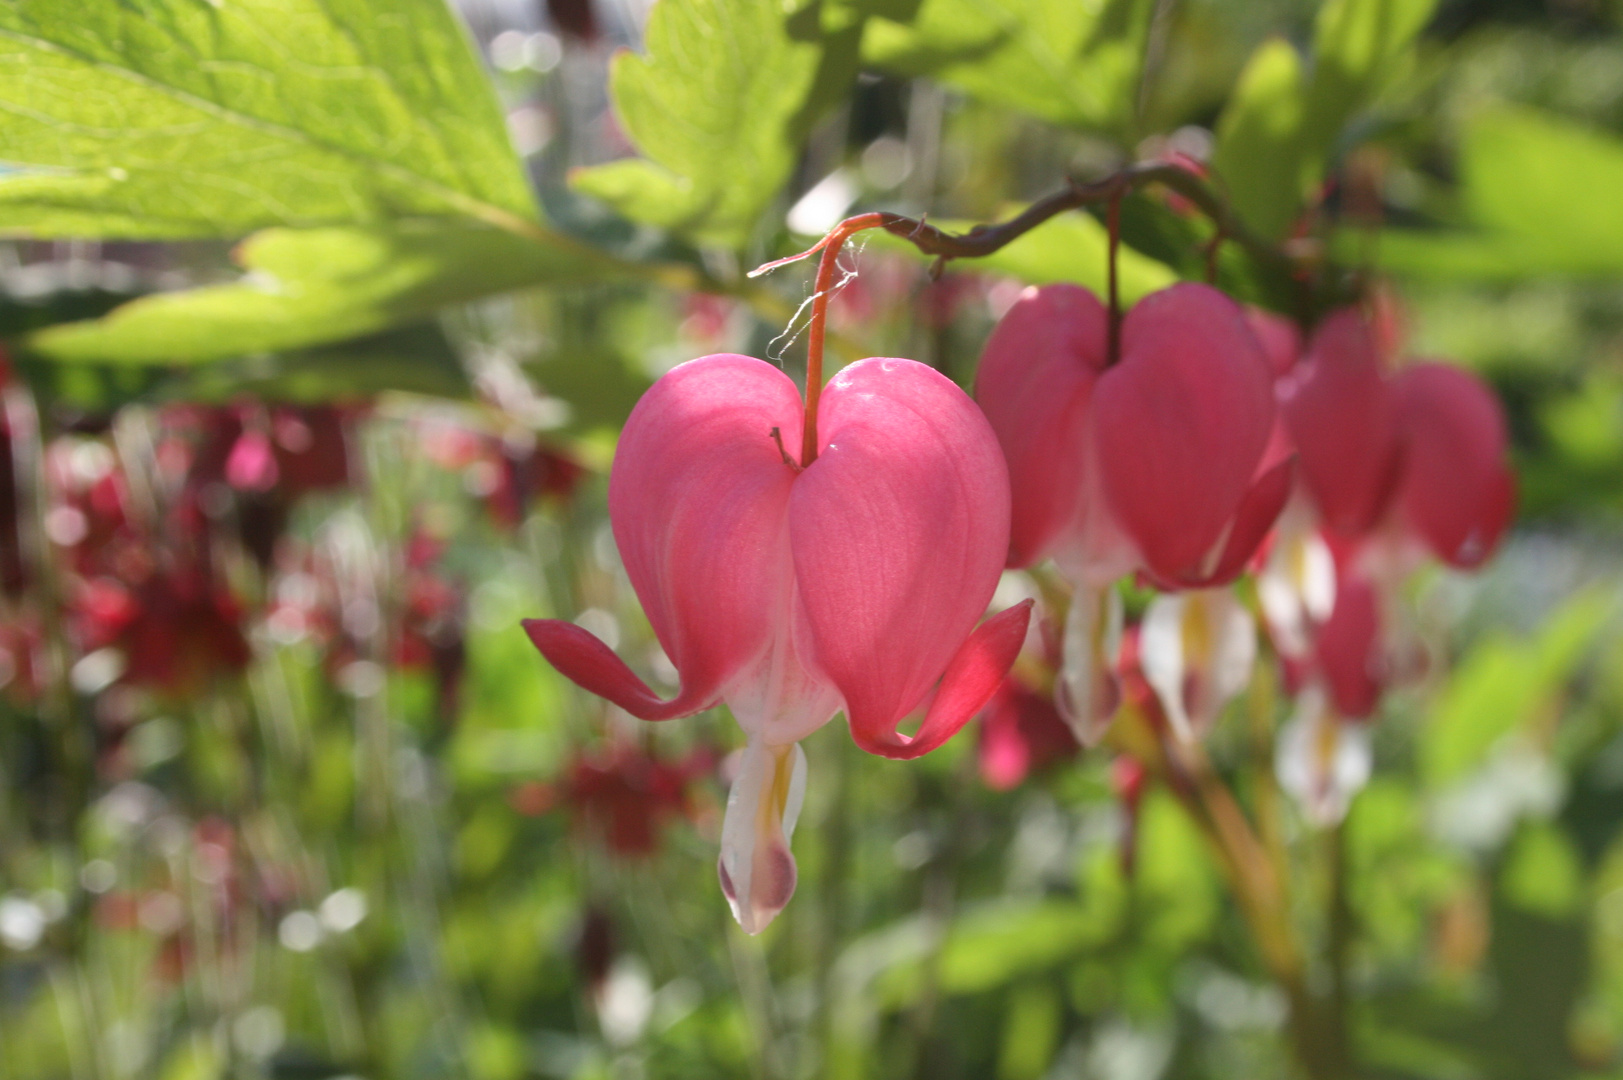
699	503
1343	416
899	532
251	465
1457	491
1181	423
1349	648
1021	731
1034	383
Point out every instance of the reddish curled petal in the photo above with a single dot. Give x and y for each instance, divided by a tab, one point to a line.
1034	383
594	667
1181	423
1457	492
971	679
699	498
899	531
1258	511
1342	414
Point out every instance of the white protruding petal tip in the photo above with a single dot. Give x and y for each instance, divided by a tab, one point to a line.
756	867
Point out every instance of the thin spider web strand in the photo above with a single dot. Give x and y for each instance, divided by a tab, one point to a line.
791	332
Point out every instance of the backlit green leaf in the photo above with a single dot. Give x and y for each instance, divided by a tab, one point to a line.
307	287
1528	184
1260	147
178	118
1358	45
1536	176
1500	683
1072	62
719	107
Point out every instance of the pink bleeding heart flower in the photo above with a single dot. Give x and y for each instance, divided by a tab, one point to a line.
1163	462
1343	415
854	583
1456	492
1157	462
1182	425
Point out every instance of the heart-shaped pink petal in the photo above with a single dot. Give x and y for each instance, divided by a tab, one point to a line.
1035	383
899	531
699	499
1342	414
1457	492
1181	423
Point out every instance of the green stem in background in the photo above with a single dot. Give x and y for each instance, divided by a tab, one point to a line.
1317	1033
1338	943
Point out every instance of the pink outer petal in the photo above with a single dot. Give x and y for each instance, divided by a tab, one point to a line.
971	679
699	499
1181	423
1457	492
1343	417
592	665
1034	383
899	531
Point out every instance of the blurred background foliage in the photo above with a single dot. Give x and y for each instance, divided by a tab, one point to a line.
311	401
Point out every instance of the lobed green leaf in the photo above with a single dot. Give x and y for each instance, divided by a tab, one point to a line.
185	118
719	108
1076	63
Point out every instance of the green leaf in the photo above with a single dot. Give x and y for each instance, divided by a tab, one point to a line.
1536	177
1031	1031
180	118
1280	127
1260	147
1357	45
1528	184
992	944
1501	683
307	287
415	359
1543	872
719	108
1071	62
1073	247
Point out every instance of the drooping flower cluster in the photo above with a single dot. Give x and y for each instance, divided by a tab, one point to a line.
1215	443
1184	445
